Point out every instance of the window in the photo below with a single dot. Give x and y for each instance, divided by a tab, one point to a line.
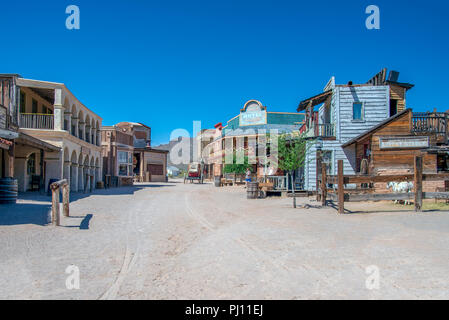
22	102
125	163
357	110
393	107
31	164
34	107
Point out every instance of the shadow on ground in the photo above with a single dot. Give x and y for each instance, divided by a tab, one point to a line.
25	213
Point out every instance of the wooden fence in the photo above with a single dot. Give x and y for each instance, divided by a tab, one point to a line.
343	195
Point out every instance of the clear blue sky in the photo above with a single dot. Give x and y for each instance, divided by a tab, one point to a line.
167	63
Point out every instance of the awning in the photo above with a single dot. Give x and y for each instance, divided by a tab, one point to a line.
36	143
315	100
7	134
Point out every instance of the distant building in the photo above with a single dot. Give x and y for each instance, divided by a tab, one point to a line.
244	130
132	158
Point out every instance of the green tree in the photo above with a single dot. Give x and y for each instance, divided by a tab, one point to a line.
292	156
237	168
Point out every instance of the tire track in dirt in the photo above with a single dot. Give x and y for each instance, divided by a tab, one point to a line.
132	251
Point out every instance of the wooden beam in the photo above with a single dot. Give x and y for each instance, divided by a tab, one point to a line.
389	178
323	185
418	183
341	193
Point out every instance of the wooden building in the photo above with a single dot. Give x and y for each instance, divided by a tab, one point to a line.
343	112
141	163
390	147
117	153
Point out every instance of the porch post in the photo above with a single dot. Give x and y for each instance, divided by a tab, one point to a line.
59	111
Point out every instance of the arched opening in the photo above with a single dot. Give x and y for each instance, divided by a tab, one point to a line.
67	116
74	172
88	128
66	165
73	129
86	172
98	133
97	171
80	173
92	132
92	170
80	125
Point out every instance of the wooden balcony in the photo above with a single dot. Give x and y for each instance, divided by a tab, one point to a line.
36	121
322	130
425	123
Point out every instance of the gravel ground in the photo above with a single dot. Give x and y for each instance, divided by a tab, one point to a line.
176	241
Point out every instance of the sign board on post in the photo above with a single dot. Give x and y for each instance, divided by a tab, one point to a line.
404	143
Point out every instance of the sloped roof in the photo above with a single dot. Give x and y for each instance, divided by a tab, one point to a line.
375	128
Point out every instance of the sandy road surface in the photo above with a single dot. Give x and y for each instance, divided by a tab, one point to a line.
176	241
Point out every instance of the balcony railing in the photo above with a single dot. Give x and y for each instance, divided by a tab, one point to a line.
36	121
436	123
323	130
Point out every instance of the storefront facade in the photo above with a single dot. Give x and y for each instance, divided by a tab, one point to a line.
246	131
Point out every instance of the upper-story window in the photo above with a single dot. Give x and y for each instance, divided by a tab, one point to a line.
22	102
34	106
357	111
125	162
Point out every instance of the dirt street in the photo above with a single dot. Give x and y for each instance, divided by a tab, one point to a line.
176	241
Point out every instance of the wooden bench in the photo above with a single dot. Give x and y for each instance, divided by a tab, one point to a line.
226	182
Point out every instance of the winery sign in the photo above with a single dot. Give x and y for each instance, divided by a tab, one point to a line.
252	114
404	143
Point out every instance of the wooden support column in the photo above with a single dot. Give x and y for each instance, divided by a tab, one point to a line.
55	207
66	200
323	185
318	170
418	183
9	166
341	189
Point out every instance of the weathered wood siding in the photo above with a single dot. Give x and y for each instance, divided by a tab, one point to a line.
376	108
398	93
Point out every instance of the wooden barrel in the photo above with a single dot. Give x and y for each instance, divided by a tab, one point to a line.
252	190
8	190
217	181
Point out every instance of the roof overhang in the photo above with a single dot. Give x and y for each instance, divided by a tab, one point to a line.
313	101
36	143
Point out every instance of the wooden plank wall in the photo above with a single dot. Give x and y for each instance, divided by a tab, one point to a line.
398	93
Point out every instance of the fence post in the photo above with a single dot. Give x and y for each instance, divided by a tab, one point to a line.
318	167
418	183
341	190
323	185
55	206
66	199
